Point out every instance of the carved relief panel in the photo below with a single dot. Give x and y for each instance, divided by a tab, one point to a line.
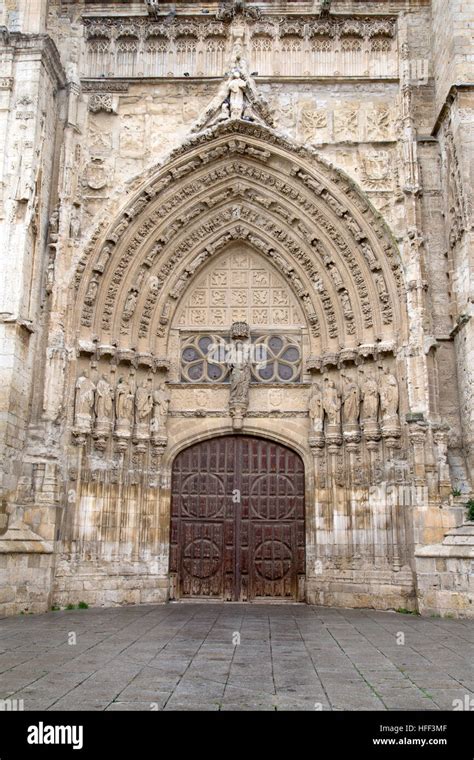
240	286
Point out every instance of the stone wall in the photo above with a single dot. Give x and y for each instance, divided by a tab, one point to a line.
132	189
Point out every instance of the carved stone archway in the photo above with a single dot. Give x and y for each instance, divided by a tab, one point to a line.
242	181
237	186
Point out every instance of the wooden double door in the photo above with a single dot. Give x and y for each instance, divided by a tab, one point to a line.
237	521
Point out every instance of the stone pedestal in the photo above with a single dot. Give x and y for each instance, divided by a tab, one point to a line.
27	569
445	583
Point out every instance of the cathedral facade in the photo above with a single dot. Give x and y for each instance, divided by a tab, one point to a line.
237	255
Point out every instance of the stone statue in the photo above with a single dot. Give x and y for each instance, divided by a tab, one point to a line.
336	277
180	285
154	284
239	384
103	258
75	224
388	395
123	400
237	32
316	409
350	401
368	254
144	401
197	261
92	290
381	287
161	398
50	270
54	226
370	396
130	305
84	404
103	399
236	87
332	402
73	90
346	305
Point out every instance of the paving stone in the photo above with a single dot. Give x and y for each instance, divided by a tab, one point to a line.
178	657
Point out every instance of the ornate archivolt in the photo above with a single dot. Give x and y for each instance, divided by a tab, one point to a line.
239	181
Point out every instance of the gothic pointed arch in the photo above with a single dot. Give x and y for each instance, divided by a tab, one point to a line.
241	183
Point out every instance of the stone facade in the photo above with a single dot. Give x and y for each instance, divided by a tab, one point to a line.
170	173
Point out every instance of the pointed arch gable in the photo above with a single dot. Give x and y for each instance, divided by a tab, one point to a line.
241	181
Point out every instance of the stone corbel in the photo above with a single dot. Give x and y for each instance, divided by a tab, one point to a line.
330	360
347	356
159	443
86	347
81	431
106	349
127	355
313	364
462	320
316	441
238	412
103	102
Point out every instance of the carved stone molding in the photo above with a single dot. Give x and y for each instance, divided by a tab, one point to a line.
108	86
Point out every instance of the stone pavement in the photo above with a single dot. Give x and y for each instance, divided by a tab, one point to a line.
185	656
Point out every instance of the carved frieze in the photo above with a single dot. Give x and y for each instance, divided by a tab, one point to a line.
161	47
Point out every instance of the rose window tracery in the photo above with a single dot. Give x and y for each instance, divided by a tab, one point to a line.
208	358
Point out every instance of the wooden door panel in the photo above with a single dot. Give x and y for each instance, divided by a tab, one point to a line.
273	572
202	559
230	549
